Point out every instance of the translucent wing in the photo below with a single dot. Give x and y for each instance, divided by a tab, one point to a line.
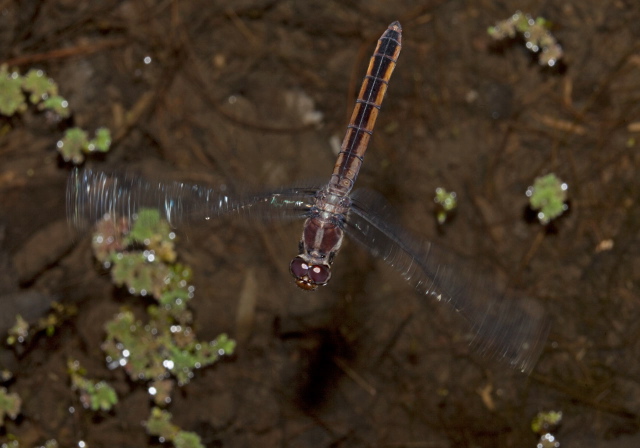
506	326
93	194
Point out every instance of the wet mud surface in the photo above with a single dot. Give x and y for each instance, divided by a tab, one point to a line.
231	97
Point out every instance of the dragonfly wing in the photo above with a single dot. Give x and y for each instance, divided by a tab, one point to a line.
506	325
93	194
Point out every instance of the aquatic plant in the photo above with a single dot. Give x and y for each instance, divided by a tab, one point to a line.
142	258
11	444
547	196
160	425
162	349
158	349
75	144
10	404
11	96
446	204
42	92
544	424
94	395
58	314
18	332
536	34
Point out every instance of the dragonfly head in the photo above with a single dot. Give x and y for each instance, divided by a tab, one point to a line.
309	276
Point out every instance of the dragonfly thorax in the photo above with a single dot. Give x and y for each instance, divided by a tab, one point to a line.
321	240
332	203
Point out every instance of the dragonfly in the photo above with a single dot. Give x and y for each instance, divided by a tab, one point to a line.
505	325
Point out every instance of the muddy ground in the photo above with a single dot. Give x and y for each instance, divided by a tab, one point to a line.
364	361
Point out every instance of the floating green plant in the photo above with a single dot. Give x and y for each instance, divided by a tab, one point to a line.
42	92
544	424
12	443
446	204
159	348
10	404
19	332
76	144
57	315
160	425
94	395
142	259
11	96
536	34
547	196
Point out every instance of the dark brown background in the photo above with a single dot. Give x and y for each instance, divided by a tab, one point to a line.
363	362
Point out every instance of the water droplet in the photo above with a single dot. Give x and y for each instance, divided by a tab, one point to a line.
168	364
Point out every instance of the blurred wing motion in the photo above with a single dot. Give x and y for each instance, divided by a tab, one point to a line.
93	194
506	326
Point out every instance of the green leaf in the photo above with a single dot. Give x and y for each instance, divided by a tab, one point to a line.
38	85
11	96
9	405
186	439
447	203
73	145
137	274
148	227
159	424
546	421
103	397
102	141
548	195
57	104
224	345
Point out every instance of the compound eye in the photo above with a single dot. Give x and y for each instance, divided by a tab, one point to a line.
319	274
298	267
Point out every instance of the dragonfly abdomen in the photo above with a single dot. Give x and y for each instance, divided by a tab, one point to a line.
364	115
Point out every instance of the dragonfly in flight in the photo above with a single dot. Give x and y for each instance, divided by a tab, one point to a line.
505	325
